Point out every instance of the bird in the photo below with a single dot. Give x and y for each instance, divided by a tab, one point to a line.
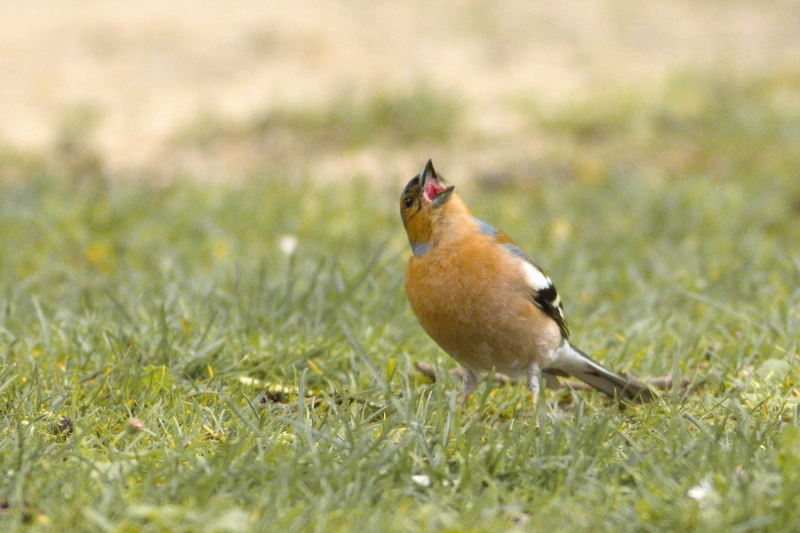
486	302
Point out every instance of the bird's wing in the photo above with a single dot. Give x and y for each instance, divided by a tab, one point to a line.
543	292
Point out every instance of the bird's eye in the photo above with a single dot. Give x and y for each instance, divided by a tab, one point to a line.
408	202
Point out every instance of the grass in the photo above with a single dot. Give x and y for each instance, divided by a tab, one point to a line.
294	140
716	125
168	366
290	137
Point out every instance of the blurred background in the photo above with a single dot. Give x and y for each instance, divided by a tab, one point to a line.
325	89
202	264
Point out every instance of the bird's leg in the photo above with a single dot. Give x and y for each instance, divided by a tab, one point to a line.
534	381
534	384
470	380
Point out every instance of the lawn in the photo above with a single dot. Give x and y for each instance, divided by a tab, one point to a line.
216	358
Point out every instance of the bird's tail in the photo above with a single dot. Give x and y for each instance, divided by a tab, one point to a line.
570	360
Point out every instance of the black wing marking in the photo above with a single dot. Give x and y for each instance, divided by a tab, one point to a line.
549	301
545	297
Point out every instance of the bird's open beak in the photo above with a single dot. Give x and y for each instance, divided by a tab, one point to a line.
434	190
426	173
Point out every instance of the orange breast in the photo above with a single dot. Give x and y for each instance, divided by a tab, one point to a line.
470	297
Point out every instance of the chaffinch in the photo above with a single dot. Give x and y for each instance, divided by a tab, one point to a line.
485	302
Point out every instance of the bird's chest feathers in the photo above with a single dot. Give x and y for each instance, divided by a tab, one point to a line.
472	297
448	291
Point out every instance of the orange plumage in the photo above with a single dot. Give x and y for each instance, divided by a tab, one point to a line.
483	300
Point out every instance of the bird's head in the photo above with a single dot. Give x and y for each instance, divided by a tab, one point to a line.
425	202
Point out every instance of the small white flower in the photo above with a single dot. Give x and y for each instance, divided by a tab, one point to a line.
288	243
701	491
421	480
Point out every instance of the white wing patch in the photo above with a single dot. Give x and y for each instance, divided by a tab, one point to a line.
535	277
544	296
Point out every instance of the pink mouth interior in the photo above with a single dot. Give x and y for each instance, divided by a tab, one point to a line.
432	188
